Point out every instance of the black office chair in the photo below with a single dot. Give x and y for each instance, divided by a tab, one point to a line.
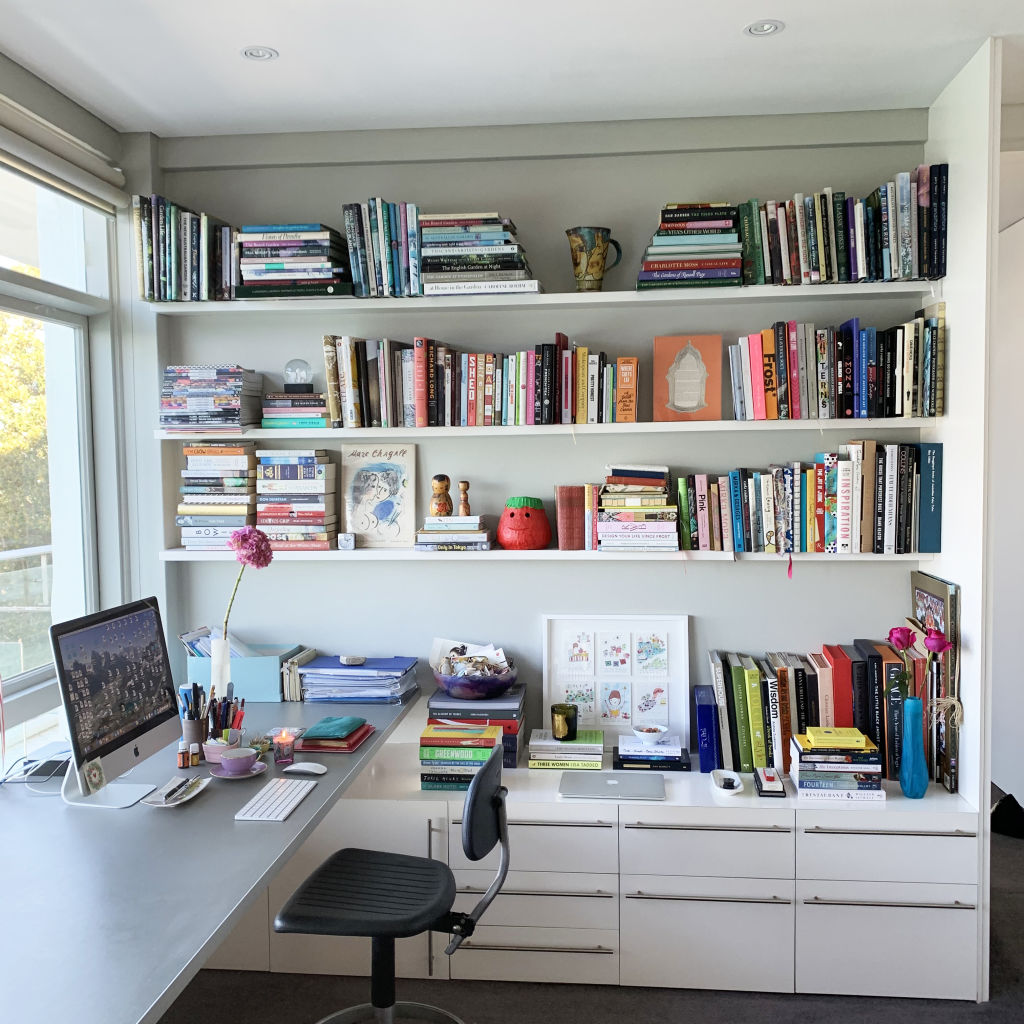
390	896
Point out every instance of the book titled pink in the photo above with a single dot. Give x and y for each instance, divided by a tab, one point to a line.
700	483
793	368
756	379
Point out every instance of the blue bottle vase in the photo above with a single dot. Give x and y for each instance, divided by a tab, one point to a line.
913	769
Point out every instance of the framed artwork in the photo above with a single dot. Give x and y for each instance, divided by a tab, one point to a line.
378	494
935	604
687	377
620	670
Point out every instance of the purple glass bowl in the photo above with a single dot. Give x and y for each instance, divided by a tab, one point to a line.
476	687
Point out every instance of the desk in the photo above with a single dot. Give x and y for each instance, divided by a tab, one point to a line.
108	914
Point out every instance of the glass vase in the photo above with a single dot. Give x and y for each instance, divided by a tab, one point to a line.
913	769
220	665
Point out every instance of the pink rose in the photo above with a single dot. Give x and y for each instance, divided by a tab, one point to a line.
902	637
936	642
252	547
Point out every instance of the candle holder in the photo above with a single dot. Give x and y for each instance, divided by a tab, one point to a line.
284	748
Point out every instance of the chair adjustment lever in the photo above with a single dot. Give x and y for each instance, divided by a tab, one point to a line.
459	925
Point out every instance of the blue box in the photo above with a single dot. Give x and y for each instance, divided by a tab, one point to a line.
255	679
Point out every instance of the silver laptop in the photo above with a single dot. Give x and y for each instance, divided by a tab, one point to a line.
591	785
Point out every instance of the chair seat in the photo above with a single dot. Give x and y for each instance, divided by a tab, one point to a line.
367	892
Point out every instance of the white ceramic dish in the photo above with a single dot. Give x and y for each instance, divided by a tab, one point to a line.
153	799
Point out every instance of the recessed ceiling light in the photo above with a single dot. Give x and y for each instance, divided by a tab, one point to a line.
260	53
765	27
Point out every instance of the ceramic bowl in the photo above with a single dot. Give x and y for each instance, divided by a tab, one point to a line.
238	760
214	749
476	687
650	735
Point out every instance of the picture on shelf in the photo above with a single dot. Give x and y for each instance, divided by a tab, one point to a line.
378	484
688	377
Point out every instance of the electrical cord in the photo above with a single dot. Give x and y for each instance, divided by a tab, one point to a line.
26	778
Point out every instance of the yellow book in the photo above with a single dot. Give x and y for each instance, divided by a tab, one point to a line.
805	745
454	734
755	715
581	383
843	737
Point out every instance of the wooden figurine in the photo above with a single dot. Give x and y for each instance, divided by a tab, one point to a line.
463	497
440	500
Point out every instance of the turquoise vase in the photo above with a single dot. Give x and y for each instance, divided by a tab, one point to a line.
913	770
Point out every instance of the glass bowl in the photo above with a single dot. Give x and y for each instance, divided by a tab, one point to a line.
476	687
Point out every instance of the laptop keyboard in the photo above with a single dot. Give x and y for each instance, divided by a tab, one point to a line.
276	800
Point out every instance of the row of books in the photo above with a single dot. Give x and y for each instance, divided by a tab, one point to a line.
667	755
868	497
836	764
213	399
456	533
631	486
383	248
696	244
295	499
896	233
285	411
795	370
180	255
375	681
584	753
281	260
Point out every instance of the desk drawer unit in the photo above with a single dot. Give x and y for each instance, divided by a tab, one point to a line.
887	939
543	837
706	842
572	955
725	933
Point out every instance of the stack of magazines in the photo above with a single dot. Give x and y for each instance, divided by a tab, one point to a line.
376	680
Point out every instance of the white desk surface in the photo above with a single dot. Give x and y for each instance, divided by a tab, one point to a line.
108	914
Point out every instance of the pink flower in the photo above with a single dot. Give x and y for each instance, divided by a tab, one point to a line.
252	547
936	642
902	637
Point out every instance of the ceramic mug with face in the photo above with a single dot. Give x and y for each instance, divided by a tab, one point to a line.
589	249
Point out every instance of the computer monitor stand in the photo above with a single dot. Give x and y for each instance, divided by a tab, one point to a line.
114	795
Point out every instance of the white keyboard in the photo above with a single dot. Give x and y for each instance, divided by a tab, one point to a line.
276	800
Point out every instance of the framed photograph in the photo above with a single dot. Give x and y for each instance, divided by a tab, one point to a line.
620	670
935	604
378	494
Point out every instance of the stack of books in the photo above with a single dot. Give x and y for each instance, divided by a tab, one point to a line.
452	753
375	681
295	503
506	711
284	411
667	756
695	244
218	493
583	753
455	533
339	734
278	260
836	764
642	491
383	248
469	253
223	399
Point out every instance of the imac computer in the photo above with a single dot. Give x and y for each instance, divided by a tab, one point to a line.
117	691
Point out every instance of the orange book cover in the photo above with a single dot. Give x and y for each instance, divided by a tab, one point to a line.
626	369
688	377
771	383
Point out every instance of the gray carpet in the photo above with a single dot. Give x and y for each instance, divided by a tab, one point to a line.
298	998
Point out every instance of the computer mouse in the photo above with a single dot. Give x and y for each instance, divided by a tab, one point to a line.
305	768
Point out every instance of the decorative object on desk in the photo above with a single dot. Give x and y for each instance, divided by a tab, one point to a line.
284	748
524	525
238	761
251	547
564	719
650	734
215	748
913	767
588	247
687	377
440	497
464	509
471	671
378	485
298	377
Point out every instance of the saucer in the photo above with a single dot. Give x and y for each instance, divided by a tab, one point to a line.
257	769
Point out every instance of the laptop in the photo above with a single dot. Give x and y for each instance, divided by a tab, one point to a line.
591	785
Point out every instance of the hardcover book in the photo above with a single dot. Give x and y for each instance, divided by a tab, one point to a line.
687	377
378	486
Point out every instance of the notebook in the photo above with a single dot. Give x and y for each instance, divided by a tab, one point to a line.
612	785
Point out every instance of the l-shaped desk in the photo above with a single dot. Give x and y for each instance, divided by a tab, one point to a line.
108	914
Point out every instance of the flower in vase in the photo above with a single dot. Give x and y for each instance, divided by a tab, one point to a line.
902	638
251	547
936	644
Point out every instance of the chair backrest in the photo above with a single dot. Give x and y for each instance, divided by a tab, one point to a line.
483	814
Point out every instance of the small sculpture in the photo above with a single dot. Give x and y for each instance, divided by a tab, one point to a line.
440	500
524	525
463	497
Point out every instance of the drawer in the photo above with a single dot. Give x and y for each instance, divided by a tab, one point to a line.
572	955
544	899
854	851
887	939
706	841
689	932
545	837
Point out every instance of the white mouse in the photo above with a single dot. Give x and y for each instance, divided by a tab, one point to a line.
306	768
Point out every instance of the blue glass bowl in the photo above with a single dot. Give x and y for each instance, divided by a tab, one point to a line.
476	687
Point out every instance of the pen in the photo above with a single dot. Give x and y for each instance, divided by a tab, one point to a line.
176	789
195	700
190	787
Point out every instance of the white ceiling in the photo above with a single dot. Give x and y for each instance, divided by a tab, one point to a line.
174	66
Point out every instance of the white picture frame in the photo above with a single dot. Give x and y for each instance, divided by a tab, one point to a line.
620	670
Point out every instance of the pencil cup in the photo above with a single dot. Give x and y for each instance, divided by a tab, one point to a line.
193	731
563	721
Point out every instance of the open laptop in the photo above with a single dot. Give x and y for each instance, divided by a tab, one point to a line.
591	785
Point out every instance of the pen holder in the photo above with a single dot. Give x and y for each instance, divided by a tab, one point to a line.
193	731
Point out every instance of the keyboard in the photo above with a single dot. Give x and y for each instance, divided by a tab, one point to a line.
276	800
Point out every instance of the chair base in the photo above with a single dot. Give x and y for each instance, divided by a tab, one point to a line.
392	1014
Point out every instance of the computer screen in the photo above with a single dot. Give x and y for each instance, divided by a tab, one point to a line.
117	690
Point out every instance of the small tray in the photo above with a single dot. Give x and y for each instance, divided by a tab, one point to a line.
153	800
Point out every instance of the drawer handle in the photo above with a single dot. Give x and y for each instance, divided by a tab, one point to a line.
541	892
554	824
711	828
469	944
775	900
958	833
818	901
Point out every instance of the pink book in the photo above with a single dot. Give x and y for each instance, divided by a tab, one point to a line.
531	381
700	483
793	368
756	375
403	248
726	510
